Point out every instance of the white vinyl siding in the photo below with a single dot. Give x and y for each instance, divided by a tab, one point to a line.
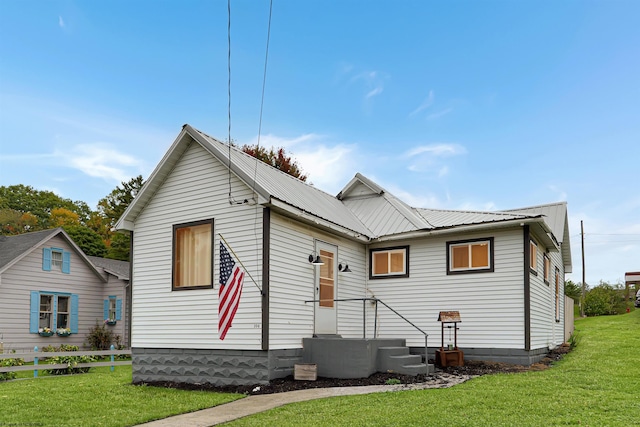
292	283
545	331
491	305
196	189
27	275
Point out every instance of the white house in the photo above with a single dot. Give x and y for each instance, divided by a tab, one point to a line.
503	271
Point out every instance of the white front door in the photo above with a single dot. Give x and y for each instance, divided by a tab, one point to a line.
326	287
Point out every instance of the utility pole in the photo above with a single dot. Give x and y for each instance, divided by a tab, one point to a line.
583	283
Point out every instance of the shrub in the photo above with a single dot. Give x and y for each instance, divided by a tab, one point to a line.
100	337
71	361
4	376
603	299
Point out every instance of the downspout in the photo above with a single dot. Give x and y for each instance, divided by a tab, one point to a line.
266	256
129	293
527	288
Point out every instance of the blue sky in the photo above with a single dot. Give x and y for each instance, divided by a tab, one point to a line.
478	105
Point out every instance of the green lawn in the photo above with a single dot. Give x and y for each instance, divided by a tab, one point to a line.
598	384
98	398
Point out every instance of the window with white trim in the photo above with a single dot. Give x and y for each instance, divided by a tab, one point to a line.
53	311
56	259
46	312
470	256
389	262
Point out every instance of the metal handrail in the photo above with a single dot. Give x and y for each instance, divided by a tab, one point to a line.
375	319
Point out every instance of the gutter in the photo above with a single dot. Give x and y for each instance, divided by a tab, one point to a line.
471	228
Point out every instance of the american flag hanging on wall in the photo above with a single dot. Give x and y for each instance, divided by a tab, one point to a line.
231	278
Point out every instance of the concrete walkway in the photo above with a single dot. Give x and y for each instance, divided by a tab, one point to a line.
258	403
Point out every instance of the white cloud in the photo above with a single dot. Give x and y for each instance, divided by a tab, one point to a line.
328	164
430	158
441	149
372	80
102	161
607	242
425	104
439	114
374	92
275	141
60	22
561	195
415	200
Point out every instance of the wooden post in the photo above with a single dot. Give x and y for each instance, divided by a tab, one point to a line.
583	275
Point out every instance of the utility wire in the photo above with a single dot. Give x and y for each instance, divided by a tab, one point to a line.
264	84
231	200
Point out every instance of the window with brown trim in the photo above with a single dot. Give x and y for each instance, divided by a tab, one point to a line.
389	262
193	255
533	257
546	268
470	256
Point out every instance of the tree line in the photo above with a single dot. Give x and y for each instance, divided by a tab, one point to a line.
24	209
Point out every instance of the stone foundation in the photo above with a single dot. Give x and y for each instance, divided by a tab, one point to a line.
504	355
217	367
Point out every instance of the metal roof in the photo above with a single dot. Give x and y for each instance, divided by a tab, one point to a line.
438	218
555	215
362	210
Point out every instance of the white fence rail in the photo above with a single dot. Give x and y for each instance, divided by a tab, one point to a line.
36	357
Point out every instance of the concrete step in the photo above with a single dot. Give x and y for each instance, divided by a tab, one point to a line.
417	369
393	351
398	359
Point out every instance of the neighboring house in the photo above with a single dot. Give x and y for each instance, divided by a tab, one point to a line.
116	304
48	284
503	271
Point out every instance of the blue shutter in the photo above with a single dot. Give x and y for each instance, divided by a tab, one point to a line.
118	309
46	259
35	312
74	314
106	309
66	262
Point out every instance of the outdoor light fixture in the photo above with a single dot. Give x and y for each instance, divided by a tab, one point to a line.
315	260
344	268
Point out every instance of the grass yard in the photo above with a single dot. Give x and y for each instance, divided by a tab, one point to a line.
98	398
598	384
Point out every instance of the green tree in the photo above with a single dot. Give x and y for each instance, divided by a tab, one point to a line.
604	299
24	198
60	217
111	209
573	290
88	240
15	222
119	248
277	158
